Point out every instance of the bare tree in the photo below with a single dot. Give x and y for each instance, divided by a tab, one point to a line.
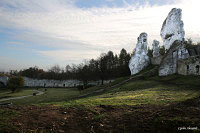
55	69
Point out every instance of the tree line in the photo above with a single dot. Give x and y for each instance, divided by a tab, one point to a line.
106	66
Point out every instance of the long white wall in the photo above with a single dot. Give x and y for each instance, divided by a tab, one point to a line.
29	82
4	79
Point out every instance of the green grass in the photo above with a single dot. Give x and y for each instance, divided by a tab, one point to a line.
146	70
155	90
158	94
51	95
6	93
98	87
118	80
92	89
152	91
179	80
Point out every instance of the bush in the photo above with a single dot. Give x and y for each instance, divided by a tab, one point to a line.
150	53
15	83
162	50
80	87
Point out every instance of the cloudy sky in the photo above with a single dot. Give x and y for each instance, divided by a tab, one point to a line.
49	32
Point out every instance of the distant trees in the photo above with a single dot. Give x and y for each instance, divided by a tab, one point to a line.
124	58
189	43
32	72
106	66
55	69
15	83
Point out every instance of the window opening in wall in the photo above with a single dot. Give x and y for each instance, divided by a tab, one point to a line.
181	54
174	54
188	69
197	69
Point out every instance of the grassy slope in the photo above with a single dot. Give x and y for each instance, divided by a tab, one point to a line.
56	94
156	90
52	94
148	94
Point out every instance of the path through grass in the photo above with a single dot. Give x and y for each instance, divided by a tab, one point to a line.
6	93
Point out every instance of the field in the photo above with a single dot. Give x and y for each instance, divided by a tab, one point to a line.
5	93
52	94
139	92
150	104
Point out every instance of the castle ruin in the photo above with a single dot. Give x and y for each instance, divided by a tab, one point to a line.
178	58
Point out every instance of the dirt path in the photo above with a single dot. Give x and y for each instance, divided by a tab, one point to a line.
21	97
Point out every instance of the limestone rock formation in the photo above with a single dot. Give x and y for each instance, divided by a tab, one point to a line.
156	48
172	28
140	59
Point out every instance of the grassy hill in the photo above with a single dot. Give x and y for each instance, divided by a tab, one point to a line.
140	103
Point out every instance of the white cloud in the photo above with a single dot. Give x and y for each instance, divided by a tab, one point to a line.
69	56
56	24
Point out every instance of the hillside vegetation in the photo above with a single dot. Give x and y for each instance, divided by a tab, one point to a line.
155	90
142	103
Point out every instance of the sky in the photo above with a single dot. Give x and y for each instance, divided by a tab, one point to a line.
47	32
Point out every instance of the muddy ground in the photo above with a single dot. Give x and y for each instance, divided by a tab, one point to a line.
143	118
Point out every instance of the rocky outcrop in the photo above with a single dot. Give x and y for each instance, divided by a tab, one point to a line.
172	28
140	59
156	48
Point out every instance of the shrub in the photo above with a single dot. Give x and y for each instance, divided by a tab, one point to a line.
162	50
15	83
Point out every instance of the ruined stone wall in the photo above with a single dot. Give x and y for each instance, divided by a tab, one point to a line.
189	66
172	34
156	60
29	82
50	83
169	63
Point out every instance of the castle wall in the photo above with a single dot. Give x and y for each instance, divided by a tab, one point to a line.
156	60
190	66
169	63
29	82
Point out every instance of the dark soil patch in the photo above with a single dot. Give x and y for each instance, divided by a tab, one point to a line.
143	118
